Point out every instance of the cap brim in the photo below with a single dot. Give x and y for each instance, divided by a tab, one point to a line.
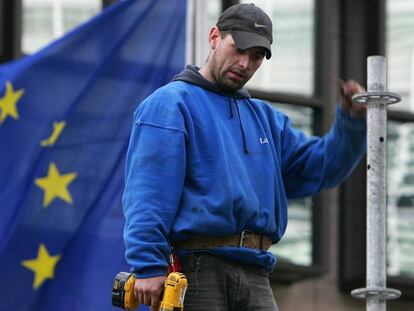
245	40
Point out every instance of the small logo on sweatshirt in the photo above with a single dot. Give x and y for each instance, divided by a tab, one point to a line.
263	140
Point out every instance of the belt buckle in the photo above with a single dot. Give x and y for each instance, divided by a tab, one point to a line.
243	236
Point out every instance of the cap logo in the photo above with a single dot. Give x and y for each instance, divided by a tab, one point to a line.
259	25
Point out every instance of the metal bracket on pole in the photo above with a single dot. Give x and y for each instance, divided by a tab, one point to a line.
376	98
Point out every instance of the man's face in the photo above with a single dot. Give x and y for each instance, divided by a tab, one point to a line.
232	67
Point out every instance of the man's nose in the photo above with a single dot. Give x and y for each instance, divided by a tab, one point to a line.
244	60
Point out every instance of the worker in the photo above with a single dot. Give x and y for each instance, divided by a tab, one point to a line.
209	170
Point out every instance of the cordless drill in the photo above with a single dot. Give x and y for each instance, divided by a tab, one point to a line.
173	298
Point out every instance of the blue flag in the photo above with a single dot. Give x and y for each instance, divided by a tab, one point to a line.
65	118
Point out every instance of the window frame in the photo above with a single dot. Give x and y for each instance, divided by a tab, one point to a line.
103	4
10	30
369	18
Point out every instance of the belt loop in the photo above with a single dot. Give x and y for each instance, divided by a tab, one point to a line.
243	236
261	242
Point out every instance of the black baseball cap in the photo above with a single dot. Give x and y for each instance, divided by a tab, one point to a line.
248	25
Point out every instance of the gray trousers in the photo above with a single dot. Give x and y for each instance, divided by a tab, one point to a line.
215	284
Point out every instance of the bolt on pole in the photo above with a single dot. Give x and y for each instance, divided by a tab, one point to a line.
376	99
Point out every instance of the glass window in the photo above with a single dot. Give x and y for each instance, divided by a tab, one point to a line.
400	160
400	199
206	16
46	20
296	245
400	51
291	68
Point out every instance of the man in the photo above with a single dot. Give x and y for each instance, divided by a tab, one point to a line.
209	170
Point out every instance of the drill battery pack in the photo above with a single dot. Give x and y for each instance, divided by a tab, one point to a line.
123	291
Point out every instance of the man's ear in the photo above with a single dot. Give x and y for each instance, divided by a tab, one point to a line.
214	37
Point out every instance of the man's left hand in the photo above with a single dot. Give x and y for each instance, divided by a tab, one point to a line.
348	89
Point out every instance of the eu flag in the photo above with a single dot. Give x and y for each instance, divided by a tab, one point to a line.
65	119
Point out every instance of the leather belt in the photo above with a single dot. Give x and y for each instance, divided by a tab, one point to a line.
245	239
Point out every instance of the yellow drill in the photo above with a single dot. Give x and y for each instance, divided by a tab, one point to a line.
173	298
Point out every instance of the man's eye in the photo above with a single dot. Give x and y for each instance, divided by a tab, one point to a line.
258	55
238	51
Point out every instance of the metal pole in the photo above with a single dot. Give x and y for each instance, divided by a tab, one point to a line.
376	98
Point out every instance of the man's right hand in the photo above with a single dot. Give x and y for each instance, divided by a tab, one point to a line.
147	291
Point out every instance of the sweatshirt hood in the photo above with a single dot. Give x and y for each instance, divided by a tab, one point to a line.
191	75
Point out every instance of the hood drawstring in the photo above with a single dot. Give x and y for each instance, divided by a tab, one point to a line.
230	108
241	126
250	104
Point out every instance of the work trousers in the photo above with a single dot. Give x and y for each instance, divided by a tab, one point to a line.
216	284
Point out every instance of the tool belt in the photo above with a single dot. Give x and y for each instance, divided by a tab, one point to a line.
245	239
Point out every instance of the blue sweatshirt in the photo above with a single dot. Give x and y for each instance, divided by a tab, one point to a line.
205	161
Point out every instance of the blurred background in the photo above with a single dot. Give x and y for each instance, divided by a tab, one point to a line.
316	43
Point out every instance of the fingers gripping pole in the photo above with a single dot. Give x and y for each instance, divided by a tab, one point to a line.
376	98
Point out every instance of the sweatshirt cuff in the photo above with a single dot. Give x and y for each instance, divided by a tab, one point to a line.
149	273
345	120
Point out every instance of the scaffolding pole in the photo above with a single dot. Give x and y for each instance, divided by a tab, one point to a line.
376	99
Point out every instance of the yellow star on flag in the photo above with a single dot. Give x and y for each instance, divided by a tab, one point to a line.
8	103
43	266
55	185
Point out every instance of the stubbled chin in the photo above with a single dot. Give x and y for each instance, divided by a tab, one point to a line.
237	84
234	82
232	86
227	82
